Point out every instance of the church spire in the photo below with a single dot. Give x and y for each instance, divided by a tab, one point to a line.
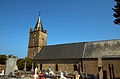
39	24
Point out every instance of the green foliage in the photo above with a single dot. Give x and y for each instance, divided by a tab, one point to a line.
21	64
116	9
3	59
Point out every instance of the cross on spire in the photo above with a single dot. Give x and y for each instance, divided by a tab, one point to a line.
39	24
39	13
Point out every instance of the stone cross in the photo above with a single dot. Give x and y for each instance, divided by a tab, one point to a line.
25	66
62	76
32	67
76	75
50	69
10	66
35	76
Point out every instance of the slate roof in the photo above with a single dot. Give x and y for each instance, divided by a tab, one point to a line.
64	51
103	49
95	49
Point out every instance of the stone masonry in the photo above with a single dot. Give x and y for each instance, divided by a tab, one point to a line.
37	39
90	66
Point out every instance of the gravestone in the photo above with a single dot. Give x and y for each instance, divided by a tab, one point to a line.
50	69
10	66
76	75
32	67
35	76
25	66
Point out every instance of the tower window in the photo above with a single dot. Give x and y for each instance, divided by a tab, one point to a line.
33	40
42	40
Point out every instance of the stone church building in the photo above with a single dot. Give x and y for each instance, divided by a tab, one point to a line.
96	57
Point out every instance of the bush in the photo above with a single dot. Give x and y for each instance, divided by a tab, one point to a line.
21	64
3	59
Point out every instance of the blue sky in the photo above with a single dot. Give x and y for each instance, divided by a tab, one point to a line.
67	21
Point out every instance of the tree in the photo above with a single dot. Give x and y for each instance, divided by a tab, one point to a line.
3	59
21	64
116	9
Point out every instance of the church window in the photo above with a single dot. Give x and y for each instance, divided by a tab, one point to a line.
40	66
75	67
56	67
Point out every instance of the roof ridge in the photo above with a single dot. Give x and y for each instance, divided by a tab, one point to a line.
82	42
65	44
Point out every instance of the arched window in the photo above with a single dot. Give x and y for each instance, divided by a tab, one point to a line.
75	67
56	67
40	66
43	41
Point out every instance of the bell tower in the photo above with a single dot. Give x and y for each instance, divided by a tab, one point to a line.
37	39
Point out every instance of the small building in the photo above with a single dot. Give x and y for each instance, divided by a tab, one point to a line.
96	57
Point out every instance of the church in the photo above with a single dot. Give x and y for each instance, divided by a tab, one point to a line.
95	57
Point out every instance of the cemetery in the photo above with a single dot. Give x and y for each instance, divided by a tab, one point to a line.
11	72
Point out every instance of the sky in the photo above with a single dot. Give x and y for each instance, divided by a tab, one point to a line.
67	21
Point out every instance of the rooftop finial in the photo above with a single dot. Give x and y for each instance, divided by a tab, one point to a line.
39	13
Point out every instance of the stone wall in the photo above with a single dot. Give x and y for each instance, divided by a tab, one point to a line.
116	64
33	51
69	68
89	65
92	66
42	39
37	39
